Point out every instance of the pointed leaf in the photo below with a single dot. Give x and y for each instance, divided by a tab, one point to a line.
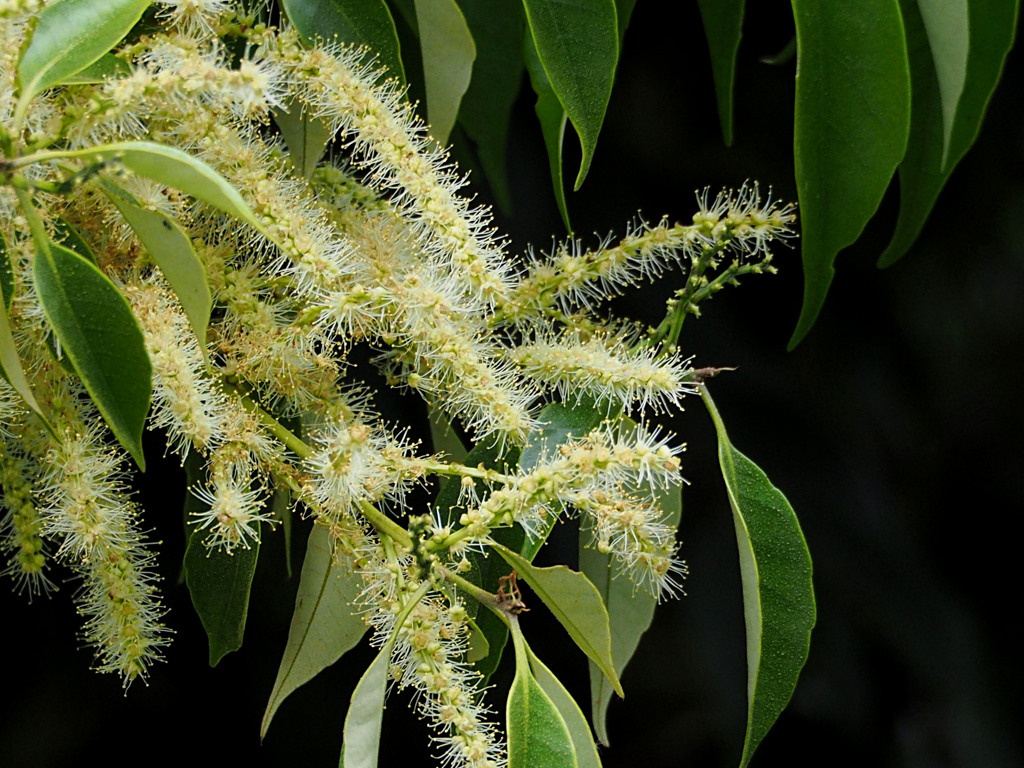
70	36
947	26
306	137
361	739
98	333
578	45
778	596
569	710
552	118
577	605
723	22
324	626
357	22
922	173
171	249
852	121
219	583
448	53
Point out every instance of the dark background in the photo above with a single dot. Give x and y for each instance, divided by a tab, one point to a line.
894	430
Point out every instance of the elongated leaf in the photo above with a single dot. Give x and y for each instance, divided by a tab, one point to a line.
324	625
630	611
947	26
723	22
923	172
552	119
577	605
219	584
361	739
307	137
357	22
106	66
852	122
569	710
537	734
171	249
98	332
448	54
778	596
443	437
65	234
578	45
70	36
6	273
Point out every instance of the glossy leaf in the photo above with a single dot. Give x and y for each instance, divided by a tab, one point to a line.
552	119
778	596
448	53
306	137
852	121
171	249
578	45
569	710
723	22
70	36
219	583
357	22
98	333
630	611
947	27
577	605
324	625
537	734
923	173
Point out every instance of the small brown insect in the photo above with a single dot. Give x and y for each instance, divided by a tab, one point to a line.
509	596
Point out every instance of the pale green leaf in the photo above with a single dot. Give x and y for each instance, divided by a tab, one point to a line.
577	605
448	52
578	45
778	595
569	710
98	333
723	22
325	624
852	120
361	739
306	137
948	28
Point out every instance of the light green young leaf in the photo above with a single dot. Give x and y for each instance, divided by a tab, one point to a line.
569	710
307	137
948	28
361	740
851	125
98	333
630	611
324	626
357	22
552	119
577	605
537	734
171	249
219	583
448	54
924	170
578	45
778	595
723	22
70	36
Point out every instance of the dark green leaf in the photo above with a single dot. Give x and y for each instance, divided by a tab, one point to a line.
448	52
851	124
552	119
778	596
577	605
578	45
357	22
723	22
923	172
65	234
443	438
307	137
623	10
630	611
6	273
219	583
324	625
569	710
98	332
70	36
106	66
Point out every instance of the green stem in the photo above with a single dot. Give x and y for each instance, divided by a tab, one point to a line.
482	596
384	524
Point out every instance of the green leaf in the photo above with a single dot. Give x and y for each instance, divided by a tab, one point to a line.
569	710
630	612
723	22
577	605
65	234
6	273
357	22
537	734
98	332
443	438
947	26
778	595
219	583
552	119
324	625
171	249
361	739
578	45
852	120
72	35
924	170
307	137
106	67
448	53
